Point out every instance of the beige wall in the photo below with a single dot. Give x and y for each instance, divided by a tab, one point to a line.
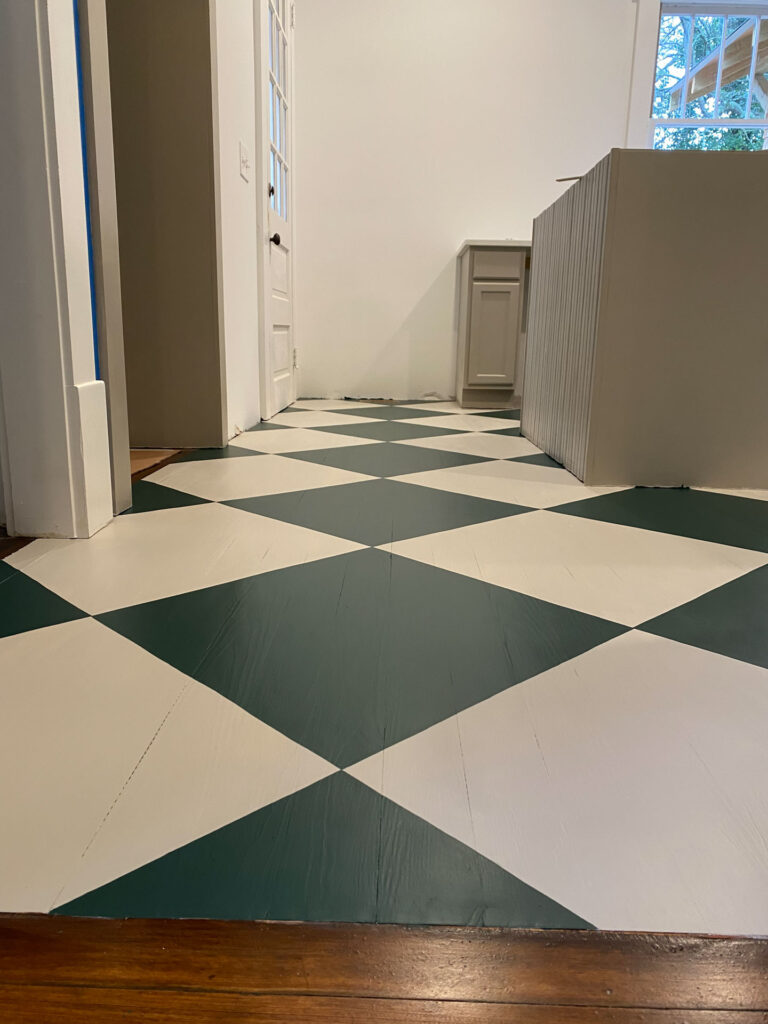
160	66
420	123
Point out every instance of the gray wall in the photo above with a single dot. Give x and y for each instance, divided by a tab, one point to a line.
160	68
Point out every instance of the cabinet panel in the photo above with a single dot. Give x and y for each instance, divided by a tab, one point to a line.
493	332
490	264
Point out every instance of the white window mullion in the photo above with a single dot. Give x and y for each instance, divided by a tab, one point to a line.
709	122
752	67
720	60
716	8
687	75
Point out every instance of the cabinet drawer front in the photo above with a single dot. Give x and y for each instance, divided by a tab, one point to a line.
493	333
490	265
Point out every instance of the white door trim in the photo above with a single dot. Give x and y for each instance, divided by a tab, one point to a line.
56	465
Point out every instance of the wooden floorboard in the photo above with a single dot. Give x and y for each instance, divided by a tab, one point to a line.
59	969
109	1006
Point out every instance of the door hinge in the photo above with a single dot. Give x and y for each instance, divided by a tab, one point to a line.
295	359
293	15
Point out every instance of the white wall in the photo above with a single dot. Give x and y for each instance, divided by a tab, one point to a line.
56	455
639	131
420	123
233	66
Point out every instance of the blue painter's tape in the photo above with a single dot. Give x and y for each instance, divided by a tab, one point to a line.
86	189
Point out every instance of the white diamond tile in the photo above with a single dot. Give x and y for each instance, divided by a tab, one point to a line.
426	775
158	554
628	784
316	418
209	764
468	421
79	705
517	482
756	495
485	445
329	404
302	439
450	407
617	572
228	479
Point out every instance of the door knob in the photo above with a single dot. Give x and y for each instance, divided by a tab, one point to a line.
275	239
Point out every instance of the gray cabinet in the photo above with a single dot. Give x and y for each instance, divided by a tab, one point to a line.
491	306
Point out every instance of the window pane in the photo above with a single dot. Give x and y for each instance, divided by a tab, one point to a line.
278	132
705	59
674	36
284	63
272	179
285	193
278	183
271	112
737	62
707	137
284	124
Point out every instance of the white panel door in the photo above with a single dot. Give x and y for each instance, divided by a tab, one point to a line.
276	226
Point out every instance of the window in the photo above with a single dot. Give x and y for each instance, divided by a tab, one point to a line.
711	88
278	108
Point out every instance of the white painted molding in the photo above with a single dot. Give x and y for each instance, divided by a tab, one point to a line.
639	134
56	464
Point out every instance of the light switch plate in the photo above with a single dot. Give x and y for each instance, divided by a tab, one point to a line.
245	163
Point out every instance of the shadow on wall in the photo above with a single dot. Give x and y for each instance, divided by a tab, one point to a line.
418	359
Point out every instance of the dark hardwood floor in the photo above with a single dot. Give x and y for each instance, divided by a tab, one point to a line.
10	544
58	969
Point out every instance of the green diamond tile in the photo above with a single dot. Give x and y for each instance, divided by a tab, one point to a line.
230	452
26	605
731	620
391	412
721	518
385	459
508	431
335	851
377	511
149	497
538	460
266	425
387	430
505	414
350	654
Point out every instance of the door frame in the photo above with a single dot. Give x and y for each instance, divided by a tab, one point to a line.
99	169
261	162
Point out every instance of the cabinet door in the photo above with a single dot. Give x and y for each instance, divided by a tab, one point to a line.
493	332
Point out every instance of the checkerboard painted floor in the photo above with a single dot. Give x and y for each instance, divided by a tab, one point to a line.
391	663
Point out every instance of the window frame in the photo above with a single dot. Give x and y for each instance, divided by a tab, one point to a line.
717	9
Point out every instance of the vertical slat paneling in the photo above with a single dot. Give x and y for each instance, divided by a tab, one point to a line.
562	321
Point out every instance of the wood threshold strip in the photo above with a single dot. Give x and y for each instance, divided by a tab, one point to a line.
61	969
